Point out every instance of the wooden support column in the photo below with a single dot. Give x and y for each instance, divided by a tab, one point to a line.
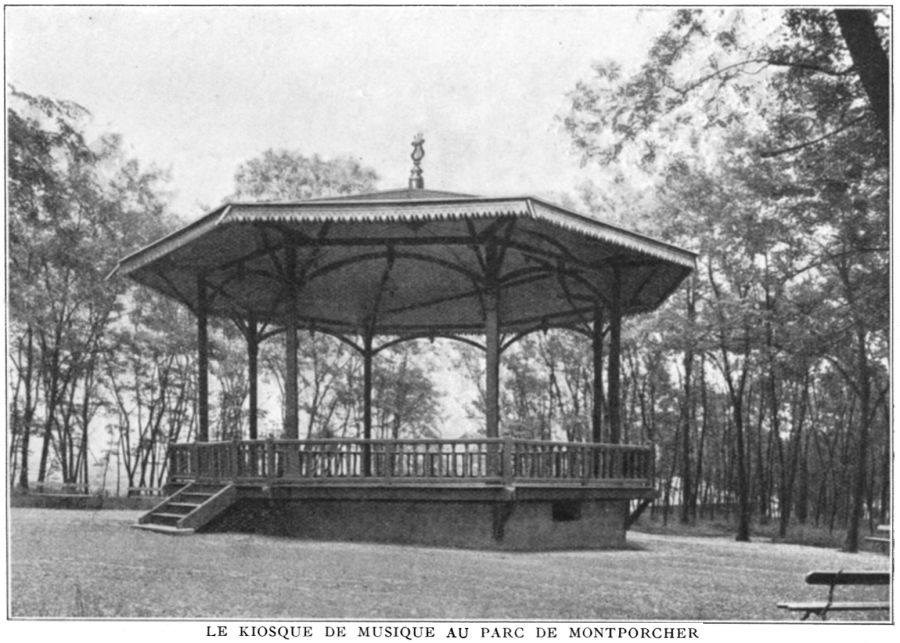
615	351
597	337
492	375
492	342
252	369
369	325
367	401
202	363
367	386
291	413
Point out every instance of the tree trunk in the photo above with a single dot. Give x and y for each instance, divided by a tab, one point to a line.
28	411
743	530
869	60
789	476
687	492
858	484
801	505
701	439
51	372
762	477
885	502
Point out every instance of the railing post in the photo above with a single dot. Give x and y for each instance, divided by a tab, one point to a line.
172	458
234	457
292	460
194	455
508	461
587	463
389	466
270	457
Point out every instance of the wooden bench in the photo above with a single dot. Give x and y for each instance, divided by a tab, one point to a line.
833	579
882	538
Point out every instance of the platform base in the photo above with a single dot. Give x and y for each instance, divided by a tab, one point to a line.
506	523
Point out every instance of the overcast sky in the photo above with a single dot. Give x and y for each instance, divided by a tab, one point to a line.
199	90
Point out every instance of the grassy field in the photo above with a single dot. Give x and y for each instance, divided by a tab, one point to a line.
808	534
91	564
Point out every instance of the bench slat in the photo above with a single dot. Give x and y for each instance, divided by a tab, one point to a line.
848	578
848	606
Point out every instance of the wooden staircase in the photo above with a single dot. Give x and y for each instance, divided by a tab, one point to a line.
189	508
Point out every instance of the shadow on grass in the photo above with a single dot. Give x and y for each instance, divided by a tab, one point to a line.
284	538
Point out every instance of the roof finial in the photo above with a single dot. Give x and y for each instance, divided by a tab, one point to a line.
416	182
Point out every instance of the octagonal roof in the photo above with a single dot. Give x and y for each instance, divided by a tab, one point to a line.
408	262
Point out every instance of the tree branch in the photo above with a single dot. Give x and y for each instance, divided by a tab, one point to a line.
774	62
719	72
794	148
810	67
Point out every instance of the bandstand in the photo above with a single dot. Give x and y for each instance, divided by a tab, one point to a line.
377	269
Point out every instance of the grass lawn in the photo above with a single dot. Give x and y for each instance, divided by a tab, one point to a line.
798	534
66	563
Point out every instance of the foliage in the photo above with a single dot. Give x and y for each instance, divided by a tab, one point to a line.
74	207
282	175
149	363
329	374
754	131
405	400
547	393
228	365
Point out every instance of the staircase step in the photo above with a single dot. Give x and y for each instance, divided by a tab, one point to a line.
163	529
194	494
164	518
181	512
183	505
194	505
166	514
